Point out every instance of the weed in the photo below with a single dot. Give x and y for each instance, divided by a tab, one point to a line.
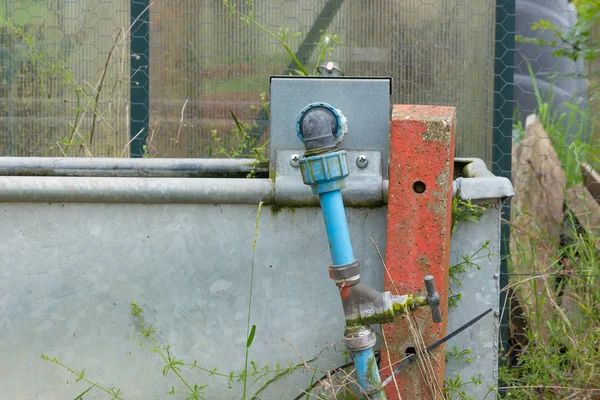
457	388
578	41
454	387
282	36
469	261
560	357
114	392
568	131
325	46
557	327
245	137
51	70
250	332
248	376
464	210
245	142
461	355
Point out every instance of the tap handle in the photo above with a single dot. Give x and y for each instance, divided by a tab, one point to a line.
433	298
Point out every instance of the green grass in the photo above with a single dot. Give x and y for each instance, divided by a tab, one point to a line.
571	133
559	352
562	353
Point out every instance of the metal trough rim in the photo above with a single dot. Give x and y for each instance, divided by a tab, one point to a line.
110	180
131	167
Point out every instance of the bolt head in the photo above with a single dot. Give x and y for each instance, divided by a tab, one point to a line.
295	160
362	161
495	276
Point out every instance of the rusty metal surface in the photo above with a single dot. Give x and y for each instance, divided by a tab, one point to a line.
418	233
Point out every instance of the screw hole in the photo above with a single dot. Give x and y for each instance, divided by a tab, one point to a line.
419	187
410	351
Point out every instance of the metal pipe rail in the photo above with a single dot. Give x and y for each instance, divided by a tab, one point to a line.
195	181
132	167
135	190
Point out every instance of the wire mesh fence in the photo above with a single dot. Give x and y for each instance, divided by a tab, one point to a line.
552	268
72	85
163	78
64	78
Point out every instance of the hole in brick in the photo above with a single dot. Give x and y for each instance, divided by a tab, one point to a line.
410	350
419	187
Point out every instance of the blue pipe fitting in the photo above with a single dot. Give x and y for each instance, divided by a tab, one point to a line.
341	123
324	167
325	172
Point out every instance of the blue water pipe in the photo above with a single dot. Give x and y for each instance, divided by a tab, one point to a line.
367	373
324	167
327	172
336	226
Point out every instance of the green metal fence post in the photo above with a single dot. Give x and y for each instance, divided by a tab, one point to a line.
139	76
502	133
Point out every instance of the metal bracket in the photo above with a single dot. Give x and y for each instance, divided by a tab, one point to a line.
364	185
365	102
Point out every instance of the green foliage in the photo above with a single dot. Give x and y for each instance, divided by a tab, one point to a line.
49	69
561	358
50	75
568	132
467	263
326	44
250	332
173	366
454	387
464	210
283	36
245	142
112	391
461	355
578	41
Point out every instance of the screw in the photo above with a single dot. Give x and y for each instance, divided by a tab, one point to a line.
362	161
294	160
496	313
495	276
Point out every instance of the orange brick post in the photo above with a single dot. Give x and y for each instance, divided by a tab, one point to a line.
418	234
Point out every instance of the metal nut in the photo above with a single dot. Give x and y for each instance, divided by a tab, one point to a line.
362	161
294	160
360	339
